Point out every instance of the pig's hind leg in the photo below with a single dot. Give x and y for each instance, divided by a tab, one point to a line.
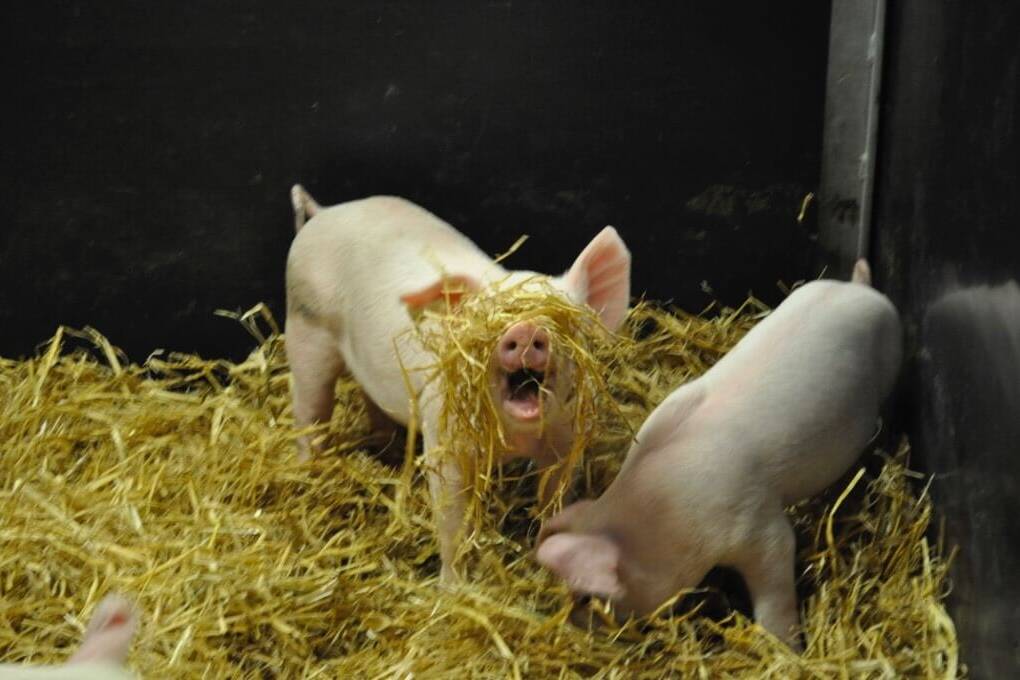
766	564
315	365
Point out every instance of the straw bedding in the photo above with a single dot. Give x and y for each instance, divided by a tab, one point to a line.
176	483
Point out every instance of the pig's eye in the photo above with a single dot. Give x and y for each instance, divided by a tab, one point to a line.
582	600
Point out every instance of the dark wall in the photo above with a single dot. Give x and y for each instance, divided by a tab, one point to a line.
149	147
947	245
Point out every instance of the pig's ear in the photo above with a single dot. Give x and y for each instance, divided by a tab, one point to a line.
109	633
601	277
455	287
589	563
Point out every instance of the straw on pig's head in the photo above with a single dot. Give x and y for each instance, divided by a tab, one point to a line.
515	356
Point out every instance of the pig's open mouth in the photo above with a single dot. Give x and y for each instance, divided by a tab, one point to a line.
521	392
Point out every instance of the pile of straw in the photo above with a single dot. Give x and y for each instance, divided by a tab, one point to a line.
177	483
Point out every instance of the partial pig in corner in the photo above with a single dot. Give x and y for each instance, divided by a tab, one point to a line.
102	652
355	274
778	419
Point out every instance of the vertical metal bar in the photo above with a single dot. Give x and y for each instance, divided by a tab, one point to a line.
856	41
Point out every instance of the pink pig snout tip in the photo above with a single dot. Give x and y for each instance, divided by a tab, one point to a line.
524	345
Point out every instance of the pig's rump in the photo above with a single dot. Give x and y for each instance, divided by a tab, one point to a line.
801	391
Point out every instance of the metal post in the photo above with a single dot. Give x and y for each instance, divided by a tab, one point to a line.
851	129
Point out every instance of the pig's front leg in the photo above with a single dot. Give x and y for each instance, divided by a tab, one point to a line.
449	491
552	465
767	567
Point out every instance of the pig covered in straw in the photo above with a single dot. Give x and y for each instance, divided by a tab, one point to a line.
359	273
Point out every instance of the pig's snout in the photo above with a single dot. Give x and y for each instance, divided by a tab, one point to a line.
524	346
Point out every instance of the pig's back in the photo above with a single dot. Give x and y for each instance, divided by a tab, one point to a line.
802	390
382	241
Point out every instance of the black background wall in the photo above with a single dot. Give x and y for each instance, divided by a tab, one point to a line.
149	147
947	249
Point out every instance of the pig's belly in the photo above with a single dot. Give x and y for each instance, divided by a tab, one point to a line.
376	368
394	402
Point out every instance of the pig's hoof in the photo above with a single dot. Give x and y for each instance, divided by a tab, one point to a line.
304	451
449	580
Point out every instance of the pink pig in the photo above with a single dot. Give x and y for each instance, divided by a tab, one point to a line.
102	652
355	273
778	419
